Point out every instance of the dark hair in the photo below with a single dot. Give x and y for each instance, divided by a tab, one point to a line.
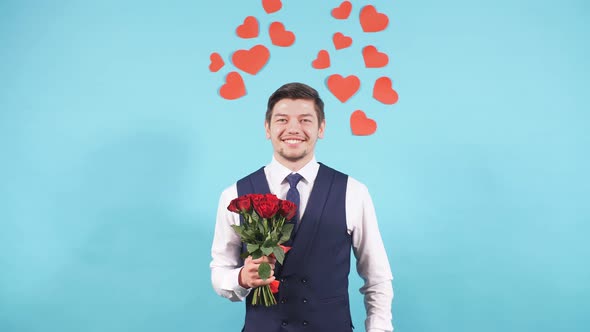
296	91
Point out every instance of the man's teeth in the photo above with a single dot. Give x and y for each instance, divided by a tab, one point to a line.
292	141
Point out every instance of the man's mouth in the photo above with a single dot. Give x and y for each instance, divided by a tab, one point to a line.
292	141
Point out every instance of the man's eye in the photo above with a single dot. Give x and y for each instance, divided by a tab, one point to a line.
281	120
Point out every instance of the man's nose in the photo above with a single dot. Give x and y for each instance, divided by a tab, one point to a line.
293	125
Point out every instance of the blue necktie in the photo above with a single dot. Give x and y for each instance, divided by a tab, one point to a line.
293	194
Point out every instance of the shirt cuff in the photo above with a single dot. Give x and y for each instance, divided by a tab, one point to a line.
232	282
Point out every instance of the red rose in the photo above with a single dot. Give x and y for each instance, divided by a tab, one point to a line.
266	206
243	203
255	197
285	248
233	206
274	286
287	209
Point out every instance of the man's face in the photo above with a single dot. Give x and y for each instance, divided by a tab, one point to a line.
293	130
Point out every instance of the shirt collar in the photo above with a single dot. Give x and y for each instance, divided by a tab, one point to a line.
278	172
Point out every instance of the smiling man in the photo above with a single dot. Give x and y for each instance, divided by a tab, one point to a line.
335	215
293	126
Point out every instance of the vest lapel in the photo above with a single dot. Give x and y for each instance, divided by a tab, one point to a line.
259	182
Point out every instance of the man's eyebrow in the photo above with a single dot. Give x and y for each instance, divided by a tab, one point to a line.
300	115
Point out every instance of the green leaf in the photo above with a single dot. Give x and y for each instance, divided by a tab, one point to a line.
252	247
264	271
279	253
274	237
286	232
247	236
267	244
244	255
255	216
238	229
257	254
266	250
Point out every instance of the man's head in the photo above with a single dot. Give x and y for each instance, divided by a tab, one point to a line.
296	91
294	122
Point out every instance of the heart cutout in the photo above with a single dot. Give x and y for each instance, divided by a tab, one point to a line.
383	91
279	36
343	87
374	58
271	6
322	61
216	62
341	41
234	87
343	11
371	20
251	61
361	125
249	29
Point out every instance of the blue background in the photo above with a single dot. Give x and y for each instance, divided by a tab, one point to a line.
115	147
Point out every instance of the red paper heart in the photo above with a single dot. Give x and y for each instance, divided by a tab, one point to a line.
374	58
343	11
251	61
343	88
383	92
271	6
279	36
341	41
234	87
322	61
361	125
373	21
249	29
216	62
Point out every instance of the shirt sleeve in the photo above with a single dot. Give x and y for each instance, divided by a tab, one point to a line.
225	251
372	263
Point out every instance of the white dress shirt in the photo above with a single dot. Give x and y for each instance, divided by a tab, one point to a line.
371	259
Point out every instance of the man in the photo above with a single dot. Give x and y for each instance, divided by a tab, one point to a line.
335	214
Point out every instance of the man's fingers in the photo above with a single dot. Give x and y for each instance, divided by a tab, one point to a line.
250	269
258	260
260	282
263	259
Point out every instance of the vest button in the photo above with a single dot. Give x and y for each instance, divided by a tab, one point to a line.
305	323
303	281
304	300
284	300
284	323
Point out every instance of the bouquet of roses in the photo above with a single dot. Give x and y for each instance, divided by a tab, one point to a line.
264	228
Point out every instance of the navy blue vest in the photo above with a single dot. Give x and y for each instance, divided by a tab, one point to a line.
313	295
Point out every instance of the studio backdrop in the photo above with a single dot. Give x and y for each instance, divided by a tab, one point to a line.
122	121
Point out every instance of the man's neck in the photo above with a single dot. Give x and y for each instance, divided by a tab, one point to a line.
294	166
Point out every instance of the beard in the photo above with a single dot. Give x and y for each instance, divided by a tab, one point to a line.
293	156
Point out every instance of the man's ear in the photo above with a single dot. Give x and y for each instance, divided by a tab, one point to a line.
321	129
267	129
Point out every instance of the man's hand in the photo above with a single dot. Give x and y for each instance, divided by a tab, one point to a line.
249	278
